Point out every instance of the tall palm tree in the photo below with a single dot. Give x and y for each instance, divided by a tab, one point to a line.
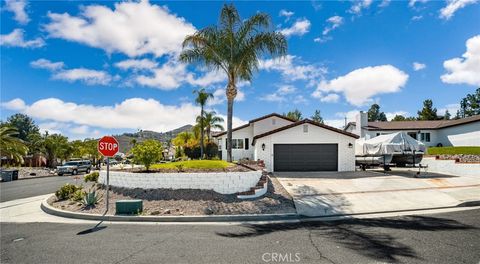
212	121
11	146
234	47
202	97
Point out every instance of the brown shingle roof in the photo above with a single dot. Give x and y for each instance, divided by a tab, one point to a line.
430	124
305	121
255	120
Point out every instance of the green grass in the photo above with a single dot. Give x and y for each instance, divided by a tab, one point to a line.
453	150
194	164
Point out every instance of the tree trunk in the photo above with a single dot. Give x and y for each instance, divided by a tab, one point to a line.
201	133
231	93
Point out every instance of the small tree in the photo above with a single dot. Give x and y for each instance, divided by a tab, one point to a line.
295	115
428	112
147	152
317	117
374	114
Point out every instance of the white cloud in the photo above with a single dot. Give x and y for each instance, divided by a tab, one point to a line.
391	115
384	3
453	6
273	97
417	66
285	13
360	85
48	65
452	109
16	104
88	76
125	115
299	28
16	39
207	79
322	39
71	130
132	28
466	69
358	6
280	95
416	18
17	7
334	22
143	64
300	99
412	3
291	70
339	121
330	98
286	89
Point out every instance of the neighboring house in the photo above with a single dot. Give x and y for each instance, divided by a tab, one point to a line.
289	145
455	132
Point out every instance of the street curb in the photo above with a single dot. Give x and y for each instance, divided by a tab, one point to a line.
47	208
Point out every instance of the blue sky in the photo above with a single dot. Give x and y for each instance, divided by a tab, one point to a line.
86	69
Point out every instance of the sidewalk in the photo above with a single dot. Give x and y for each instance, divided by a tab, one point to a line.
324	196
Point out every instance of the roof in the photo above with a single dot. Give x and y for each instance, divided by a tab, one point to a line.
256	120
420	124
305	121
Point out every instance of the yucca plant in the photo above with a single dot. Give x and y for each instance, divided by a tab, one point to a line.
91	198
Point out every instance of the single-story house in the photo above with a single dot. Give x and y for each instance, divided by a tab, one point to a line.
288	145
455	132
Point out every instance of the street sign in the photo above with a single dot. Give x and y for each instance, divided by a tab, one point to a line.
108	146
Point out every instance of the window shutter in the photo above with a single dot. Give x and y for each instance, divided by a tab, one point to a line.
246	143
226	143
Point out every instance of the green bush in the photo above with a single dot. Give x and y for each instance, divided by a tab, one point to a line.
453	150
211	150
92	177
67	191
147	152
78	195
91	198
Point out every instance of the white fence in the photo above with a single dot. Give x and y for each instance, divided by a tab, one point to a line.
221	182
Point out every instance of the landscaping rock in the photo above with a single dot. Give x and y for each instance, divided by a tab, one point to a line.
168	211
155	212
208	211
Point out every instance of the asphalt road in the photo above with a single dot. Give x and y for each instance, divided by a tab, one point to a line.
32	187
442	238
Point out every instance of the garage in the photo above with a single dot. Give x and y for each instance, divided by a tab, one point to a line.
305	157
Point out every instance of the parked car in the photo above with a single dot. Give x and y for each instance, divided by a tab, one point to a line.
74	167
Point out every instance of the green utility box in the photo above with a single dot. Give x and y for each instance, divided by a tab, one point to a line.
129	206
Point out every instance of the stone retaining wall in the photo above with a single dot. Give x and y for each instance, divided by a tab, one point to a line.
451	167
221	182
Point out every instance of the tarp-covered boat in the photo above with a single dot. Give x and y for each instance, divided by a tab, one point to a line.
398	148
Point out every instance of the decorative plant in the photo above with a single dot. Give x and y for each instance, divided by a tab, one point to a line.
78	195
92	177
91	198
147	152
179	167
67	191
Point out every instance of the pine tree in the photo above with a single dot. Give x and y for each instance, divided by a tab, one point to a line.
428	112
317	117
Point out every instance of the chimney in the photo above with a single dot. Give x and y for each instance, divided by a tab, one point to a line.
361	120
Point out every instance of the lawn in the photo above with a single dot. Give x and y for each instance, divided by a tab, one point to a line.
453	150
194	164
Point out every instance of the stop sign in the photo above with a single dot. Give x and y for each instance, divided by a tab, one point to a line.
108	146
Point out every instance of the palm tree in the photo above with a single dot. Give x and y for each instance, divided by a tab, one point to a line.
212	121
11	146
202	97
234	47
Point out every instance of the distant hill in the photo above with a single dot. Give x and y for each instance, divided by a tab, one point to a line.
142	135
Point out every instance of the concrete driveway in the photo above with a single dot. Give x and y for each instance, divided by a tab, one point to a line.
337	193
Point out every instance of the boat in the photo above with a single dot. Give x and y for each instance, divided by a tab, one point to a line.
391	149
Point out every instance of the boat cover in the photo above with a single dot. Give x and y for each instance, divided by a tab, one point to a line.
388	144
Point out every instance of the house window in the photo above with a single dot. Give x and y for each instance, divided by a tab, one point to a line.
273	121
305	128
422	136
427	137
237	143
219	144
378	134
246	143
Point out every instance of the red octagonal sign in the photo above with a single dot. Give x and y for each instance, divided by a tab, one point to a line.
108	146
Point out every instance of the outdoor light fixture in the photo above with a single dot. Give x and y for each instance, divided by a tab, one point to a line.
350	145
263	146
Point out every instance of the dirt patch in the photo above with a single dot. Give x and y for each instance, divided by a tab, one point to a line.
191	202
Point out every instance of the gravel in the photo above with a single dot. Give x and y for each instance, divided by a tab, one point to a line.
461	158
191	202
32	172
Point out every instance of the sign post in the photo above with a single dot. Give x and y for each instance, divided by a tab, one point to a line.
108	147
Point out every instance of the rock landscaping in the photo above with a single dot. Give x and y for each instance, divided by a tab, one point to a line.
465	158
187	201
32	172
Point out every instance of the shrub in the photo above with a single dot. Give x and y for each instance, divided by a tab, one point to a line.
211	150
67	191
180	167
192	152
92	177
78	195
91	198
147	152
